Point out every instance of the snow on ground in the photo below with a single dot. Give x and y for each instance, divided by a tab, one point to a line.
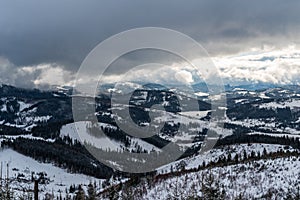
79	131
216	97
240	101
250	122
60	179
242	92
27	136
267	124
201	94
23	105
215	154
294	103
251	179
38	118
192	121
144	145
182	117
24	120
295	135
194	114
263	96
4	108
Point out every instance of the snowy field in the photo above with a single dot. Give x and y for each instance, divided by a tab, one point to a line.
79	131
60	179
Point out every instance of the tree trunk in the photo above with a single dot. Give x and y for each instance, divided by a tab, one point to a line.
36	190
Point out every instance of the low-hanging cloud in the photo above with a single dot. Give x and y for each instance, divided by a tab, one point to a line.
184	76
42	76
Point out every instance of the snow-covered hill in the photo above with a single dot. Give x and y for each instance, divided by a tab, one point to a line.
80	132
268	172
215	154
30	119
57	180
264	179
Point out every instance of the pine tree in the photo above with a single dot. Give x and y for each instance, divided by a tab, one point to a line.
91	192
211	188
265	152
229	158
245	155
252	154
72	189
80	195
236	158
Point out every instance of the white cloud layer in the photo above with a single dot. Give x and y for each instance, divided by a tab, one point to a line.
270	65
39	76
162	74
279	66
184	76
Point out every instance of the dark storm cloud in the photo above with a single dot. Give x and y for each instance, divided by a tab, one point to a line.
64	32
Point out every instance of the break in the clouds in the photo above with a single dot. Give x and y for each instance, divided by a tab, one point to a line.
51	38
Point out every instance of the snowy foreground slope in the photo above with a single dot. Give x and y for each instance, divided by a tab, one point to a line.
264	178
274	176
21	169
257	179
216	153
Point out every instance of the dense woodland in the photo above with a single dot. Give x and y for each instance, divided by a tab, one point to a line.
63	153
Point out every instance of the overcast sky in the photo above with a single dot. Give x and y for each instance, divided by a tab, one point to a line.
44	42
